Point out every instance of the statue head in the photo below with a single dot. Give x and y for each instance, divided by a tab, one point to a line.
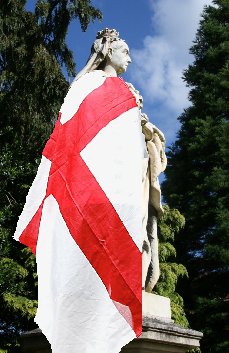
117	58
109	53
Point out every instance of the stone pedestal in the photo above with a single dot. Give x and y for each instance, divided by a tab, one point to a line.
163	337
157	337
156	306
160	334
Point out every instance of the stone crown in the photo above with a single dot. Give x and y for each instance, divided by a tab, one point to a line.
112	34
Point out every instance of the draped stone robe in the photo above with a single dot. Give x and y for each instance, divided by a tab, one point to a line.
154	163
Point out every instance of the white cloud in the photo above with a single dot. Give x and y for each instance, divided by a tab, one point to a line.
157	67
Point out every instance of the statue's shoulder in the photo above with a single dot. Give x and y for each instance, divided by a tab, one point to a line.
89	76
86	83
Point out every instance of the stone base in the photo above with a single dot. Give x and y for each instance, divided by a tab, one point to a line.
160	334
157	337
156	306
163	337
35	342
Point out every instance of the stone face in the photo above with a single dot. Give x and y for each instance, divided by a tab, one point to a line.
158	337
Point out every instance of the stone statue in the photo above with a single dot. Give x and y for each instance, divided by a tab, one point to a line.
111	54
89	297
154	165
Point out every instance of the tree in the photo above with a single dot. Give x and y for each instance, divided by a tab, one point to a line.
33	52
170	224
197	180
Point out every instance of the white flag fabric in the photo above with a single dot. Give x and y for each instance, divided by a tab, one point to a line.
83	219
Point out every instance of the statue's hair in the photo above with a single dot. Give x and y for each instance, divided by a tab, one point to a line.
117	44
105	39
110	34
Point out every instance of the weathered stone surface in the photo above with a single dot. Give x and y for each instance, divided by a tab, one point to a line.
157	337
35	342
156	306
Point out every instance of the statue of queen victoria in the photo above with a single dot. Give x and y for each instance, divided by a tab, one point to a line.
91	213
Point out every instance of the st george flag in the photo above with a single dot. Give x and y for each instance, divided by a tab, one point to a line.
83	220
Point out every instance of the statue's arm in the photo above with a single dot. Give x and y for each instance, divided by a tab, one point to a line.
150	129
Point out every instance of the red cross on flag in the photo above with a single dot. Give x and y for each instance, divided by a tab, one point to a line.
83	219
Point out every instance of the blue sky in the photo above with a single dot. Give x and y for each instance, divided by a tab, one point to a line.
159	34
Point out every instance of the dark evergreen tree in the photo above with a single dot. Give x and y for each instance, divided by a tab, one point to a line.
197	180
33	52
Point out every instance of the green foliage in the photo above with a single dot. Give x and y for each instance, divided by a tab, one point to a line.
195	350
170	224
33	54
197	180
26	307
